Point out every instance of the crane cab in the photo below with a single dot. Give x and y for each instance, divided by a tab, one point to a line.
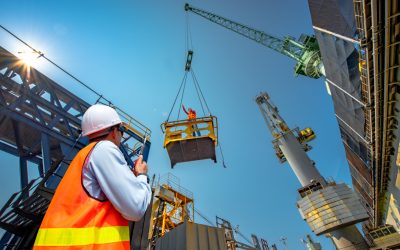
306	135
191	140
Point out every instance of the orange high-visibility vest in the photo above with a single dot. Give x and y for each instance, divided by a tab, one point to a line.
192	115
74	220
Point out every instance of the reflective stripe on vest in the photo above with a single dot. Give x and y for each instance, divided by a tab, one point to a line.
76	220
81	236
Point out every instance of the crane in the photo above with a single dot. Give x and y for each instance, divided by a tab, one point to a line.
231	242
329	208
310	244
305	51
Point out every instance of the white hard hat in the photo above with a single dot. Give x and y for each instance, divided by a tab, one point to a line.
99	117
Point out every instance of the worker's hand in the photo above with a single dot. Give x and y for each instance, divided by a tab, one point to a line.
140	166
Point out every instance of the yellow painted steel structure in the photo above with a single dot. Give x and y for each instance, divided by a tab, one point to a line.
173	206
203	127
130	123
176	212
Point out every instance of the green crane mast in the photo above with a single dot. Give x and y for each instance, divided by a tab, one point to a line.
305	50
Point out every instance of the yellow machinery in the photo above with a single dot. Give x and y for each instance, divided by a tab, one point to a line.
306	135
189	140
303	136
172	206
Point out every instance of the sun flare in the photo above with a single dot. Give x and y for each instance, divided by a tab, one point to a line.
30	58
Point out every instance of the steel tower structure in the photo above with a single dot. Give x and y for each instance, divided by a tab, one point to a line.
172	206
304	51
40	124
329	208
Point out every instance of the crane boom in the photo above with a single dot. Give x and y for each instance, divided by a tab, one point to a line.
320	198
288	143
305	51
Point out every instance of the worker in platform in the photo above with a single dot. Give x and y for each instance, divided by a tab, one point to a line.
98	194
191	116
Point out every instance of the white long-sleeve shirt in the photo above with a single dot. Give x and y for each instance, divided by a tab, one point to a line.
107	176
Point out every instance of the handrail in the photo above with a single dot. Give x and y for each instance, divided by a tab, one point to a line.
188	129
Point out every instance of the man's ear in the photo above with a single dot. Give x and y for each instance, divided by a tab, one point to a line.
113	133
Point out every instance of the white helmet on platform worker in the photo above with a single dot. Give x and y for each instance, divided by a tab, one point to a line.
99	117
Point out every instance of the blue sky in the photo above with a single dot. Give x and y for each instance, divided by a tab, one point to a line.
133	52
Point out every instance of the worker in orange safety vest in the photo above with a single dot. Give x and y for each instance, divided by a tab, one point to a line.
191	114
98	194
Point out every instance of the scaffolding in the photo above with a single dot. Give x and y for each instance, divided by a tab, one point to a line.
172	206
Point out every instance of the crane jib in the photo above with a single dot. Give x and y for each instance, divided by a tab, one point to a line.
305	51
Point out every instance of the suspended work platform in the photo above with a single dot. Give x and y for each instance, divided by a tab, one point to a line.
190	140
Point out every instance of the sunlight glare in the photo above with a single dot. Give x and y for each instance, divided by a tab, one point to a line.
30	58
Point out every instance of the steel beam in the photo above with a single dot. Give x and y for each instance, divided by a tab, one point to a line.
23	170
46	152
14	151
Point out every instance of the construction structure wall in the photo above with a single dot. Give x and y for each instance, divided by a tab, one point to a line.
193	236
360	50
335	28
390	28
